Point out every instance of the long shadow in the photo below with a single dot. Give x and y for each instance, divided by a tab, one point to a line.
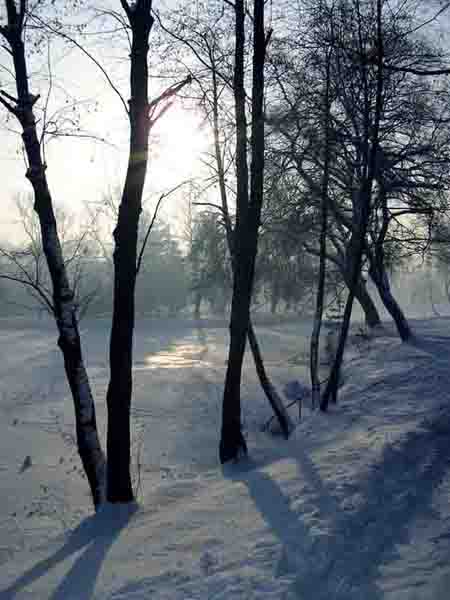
345	565
435	345
96	534
399	488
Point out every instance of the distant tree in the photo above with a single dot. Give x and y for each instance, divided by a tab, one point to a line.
26	264
163	278
209	260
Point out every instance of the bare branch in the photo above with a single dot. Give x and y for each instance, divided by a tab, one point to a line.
8	106
419	72
169	93
152	222
211	205
86	53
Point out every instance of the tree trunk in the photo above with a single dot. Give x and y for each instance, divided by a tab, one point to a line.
125	259
363	208
88	442
380	278
317	325
275	401
285	421
371	314
197	304
232	442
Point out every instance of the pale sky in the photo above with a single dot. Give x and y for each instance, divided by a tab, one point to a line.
80	170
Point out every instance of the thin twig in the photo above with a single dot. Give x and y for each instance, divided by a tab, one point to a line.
152	222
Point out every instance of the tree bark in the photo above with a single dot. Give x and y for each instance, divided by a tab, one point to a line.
232	442
88	443
371	314
363	208
317	324
380	278
275	401
378	274
125	258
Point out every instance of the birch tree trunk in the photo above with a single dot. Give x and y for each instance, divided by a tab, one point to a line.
88	442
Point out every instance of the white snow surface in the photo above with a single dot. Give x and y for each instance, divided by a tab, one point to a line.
356	505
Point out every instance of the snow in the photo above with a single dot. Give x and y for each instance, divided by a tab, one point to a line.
355	505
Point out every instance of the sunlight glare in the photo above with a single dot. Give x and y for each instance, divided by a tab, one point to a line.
177	144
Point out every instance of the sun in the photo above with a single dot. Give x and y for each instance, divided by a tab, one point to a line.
178	145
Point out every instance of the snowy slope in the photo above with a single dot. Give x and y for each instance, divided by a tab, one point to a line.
355	505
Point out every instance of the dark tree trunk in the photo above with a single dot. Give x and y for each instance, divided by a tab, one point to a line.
88	442
378	274
315	336
272	395
197	304
125	259
362	209
232	442
275	401
371	314
380	278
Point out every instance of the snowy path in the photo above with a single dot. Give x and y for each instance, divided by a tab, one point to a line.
355	505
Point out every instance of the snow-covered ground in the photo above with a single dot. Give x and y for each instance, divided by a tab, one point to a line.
356	505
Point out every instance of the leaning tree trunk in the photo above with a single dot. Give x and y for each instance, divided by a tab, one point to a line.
371	314
125	259
357	240
272	395
380	278
232	442
88	442
378	274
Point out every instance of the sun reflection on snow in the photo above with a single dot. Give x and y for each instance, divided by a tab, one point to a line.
181	356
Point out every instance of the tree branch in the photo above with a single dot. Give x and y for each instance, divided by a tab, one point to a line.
86	53
152	222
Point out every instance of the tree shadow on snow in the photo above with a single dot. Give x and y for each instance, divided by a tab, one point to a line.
343	561
96	534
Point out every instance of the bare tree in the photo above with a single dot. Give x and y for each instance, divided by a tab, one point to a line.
21	106
245	241
363	195
315	336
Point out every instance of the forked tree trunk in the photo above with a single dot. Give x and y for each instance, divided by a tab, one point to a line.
125	259
232	442
269	389
88	442
357	240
